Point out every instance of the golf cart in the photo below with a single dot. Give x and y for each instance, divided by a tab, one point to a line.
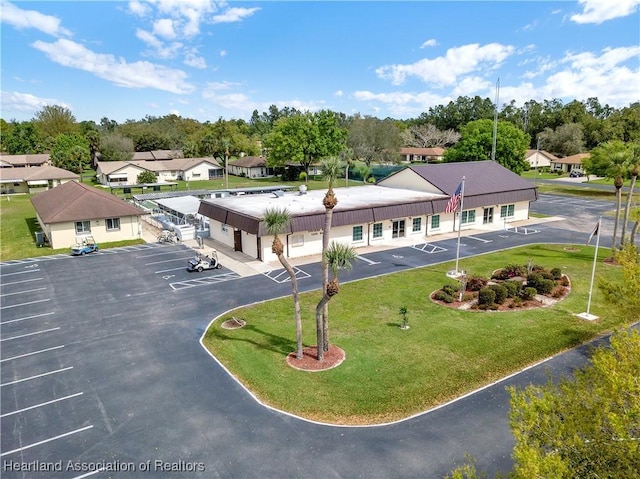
202	262
85	245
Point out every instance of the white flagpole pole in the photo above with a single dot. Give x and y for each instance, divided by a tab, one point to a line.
595	260
459	225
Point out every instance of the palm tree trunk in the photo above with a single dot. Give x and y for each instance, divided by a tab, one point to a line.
615	224
319	316
634	230
328	216
296	303
627	209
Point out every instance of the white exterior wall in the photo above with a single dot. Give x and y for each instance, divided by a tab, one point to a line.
131	172
217	233
200	172
539	160
63	235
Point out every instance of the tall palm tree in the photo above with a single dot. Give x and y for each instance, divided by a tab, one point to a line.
635	216
338	257
617	182
331	170
277	221
634	162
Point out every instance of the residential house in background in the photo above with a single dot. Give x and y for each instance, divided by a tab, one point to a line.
423	155
18	161
539	159
569	163
189	169
72	210
33	179
250	167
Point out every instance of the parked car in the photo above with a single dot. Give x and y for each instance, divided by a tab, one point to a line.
576	174
84	246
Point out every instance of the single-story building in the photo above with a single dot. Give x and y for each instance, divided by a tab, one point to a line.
410	203
33	179
569	163
250	167
425	155
18	161
539	158
73	210
189	169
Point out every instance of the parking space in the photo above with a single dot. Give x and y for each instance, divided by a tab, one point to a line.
38	388
281	275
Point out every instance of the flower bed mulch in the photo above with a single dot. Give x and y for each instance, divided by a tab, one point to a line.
332	358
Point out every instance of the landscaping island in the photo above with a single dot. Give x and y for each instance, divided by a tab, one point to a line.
389	373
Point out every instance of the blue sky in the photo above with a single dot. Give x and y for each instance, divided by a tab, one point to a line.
203	59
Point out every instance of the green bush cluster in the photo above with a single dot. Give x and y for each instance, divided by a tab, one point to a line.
442	296
528	293
476	283
500	293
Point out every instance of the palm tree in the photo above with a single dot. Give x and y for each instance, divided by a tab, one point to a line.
635	216
635	164
338	256
331	169
277	221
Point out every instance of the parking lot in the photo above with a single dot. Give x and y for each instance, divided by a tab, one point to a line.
101	368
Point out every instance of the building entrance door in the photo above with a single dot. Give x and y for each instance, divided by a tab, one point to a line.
487	217
398	229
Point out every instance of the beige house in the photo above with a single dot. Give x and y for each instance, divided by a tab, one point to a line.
539	158
118	172
33	179
250	166
409	204
18	161
189	169
73	210
425	155
569	163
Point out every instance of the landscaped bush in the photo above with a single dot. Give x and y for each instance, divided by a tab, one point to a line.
546	286
486	296
476	283
451	289
556	274
528	293
302	176
534	279
564	281
559	292
513	288
442	296
500	293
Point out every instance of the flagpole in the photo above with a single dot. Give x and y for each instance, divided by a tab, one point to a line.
593	270
459	225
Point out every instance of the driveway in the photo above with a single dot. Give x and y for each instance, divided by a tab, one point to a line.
102	376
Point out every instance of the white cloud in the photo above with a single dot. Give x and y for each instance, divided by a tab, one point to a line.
472	86
160	49
429	43
444	71
192	59
139	8
599	11
338	93
223	53
164	28
20	19
115	70
234	14
403	104
25	102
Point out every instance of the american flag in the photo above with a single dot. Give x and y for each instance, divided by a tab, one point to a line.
595	232
452	204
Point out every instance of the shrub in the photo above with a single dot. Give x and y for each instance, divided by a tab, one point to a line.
476	283
515	270
486	296
451	289
500	274
517	301
513	288
534	279
547	275
546	286
302	176
556	273
559	292
500	293
564	281
442	296
528	293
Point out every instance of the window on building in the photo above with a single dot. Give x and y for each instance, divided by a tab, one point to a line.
435	222
417	224
377	230
468	216
195	175
507	211
357	233
83	227
112	224
297	241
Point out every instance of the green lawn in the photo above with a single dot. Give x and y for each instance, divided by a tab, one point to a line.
389	373
18	225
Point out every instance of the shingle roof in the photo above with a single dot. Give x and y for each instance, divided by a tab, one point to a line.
573	159
75	201
23	160
530	153
249	162
45	172
432	151
176	164
109	167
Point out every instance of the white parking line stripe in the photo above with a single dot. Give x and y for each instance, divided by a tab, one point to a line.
23	281
167	270
30	334
102	469
155	254
36	376
31	354
46	441
21	272
25	304
39	405
27	317
21	292
168	260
